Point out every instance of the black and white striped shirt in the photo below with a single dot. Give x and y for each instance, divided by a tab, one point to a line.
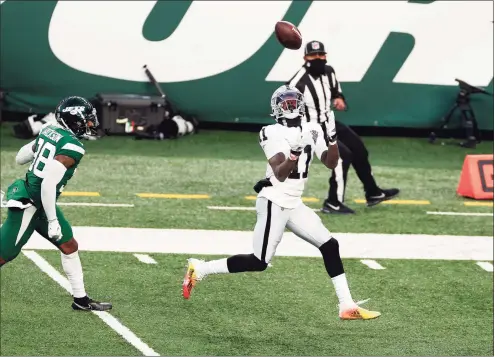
318	93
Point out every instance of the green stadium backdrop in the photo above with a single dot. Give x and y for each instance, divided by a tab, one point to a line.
397	61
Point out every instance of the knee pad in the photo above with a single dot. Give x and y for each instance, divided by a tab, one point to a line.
330	247
255	264
331	257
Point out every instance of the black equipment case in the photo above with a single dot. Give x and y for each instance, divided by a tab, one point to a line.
128	113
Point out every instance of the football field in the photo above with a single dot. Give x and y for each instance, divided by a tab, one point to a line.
141	208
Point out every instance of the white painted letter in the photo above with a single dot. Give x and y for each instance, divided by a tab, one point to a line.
212	37
453	39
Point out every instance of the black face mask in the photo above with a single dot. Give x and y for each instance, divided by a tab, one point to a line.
316	67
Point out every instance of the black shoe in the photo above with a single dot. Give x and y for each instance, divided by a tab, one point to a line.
88	304
338	208
384	195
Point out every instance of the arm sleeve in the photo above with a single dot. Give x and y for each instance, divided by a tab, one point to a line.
72	149
272	144
335	88
25	154
54	172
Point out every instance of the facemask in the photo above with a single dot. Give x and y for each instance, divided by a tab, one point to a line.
316	67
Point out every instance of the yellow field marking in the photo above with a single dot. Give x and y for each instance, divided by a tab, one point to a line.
304	199
171	195
310	199
400	202
80	194
479	204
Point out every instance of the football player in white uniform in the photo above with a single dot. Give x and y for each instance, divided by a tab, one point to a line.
289	145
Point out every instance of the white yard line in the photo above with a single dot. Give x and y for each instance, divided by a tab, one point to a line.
373	264
211	242
86	204
235	208
110	320
145	258
461	214
485	266
238	208
91	204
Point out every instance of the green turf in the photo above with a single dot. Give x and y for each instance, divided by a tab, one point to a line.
226	165
428	307
37	320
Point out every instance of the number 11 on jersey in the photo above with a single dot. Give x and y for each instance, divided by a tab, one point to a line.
295	174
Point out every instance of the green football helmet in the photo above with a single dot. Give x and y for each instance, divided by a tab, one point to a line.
77	115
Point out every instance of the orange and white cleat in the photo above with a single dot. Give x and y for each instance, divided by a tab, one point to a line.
190	278
357	313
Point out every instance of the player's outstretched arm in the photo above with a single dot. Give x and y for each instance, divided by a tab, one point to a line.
26	153
54	171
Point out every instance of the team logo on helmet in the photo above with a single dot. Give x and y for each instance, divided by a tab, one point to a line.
78	116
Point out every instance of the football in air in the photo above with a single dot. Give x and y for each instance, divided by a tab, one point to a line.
288	35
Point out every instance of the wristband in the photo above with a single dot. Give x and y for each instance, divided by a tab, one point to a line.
332	142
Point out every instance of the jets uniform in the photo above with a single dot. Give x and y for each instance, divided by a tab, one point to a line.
54	157
24	195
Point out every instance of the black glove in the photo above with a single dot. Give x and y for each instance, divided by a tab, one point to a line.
261	184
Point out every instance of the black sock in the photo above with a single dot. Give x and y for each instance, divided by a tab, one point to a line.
84	301
245	262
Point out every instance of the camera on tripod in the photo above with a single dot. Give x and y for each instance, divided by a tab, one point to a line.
469	123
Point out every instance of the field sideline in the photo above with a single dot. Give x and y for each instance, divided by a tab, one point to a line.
212	242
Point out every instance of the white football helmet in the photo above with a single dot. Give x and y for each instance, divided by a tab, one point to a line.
287	103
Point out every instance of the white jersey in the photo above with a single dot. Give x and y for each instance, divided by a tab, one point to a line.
273	140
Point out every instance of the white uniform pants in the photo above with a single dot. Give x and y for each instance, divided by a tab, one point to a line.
272	221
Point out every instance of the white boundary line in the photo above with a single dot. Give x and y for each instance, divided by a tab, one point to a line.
461	214
110	320
213	242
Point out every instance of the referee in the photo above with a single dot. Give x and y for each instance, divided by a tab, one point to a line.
319	85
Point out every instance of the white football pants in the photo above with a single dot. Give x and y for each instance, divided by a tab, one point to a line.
272	221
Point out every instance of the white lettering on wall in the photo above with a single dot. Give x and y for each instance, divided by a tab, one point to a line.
212	37
453	39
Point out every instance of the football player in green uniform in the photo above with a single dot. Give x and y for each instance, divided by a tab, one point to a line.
54	156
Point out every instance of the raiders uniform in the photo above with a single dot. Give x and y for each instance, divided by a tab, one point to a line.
280	206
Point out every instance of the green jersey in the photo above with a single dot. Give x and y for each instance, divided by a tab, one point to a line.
53	140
